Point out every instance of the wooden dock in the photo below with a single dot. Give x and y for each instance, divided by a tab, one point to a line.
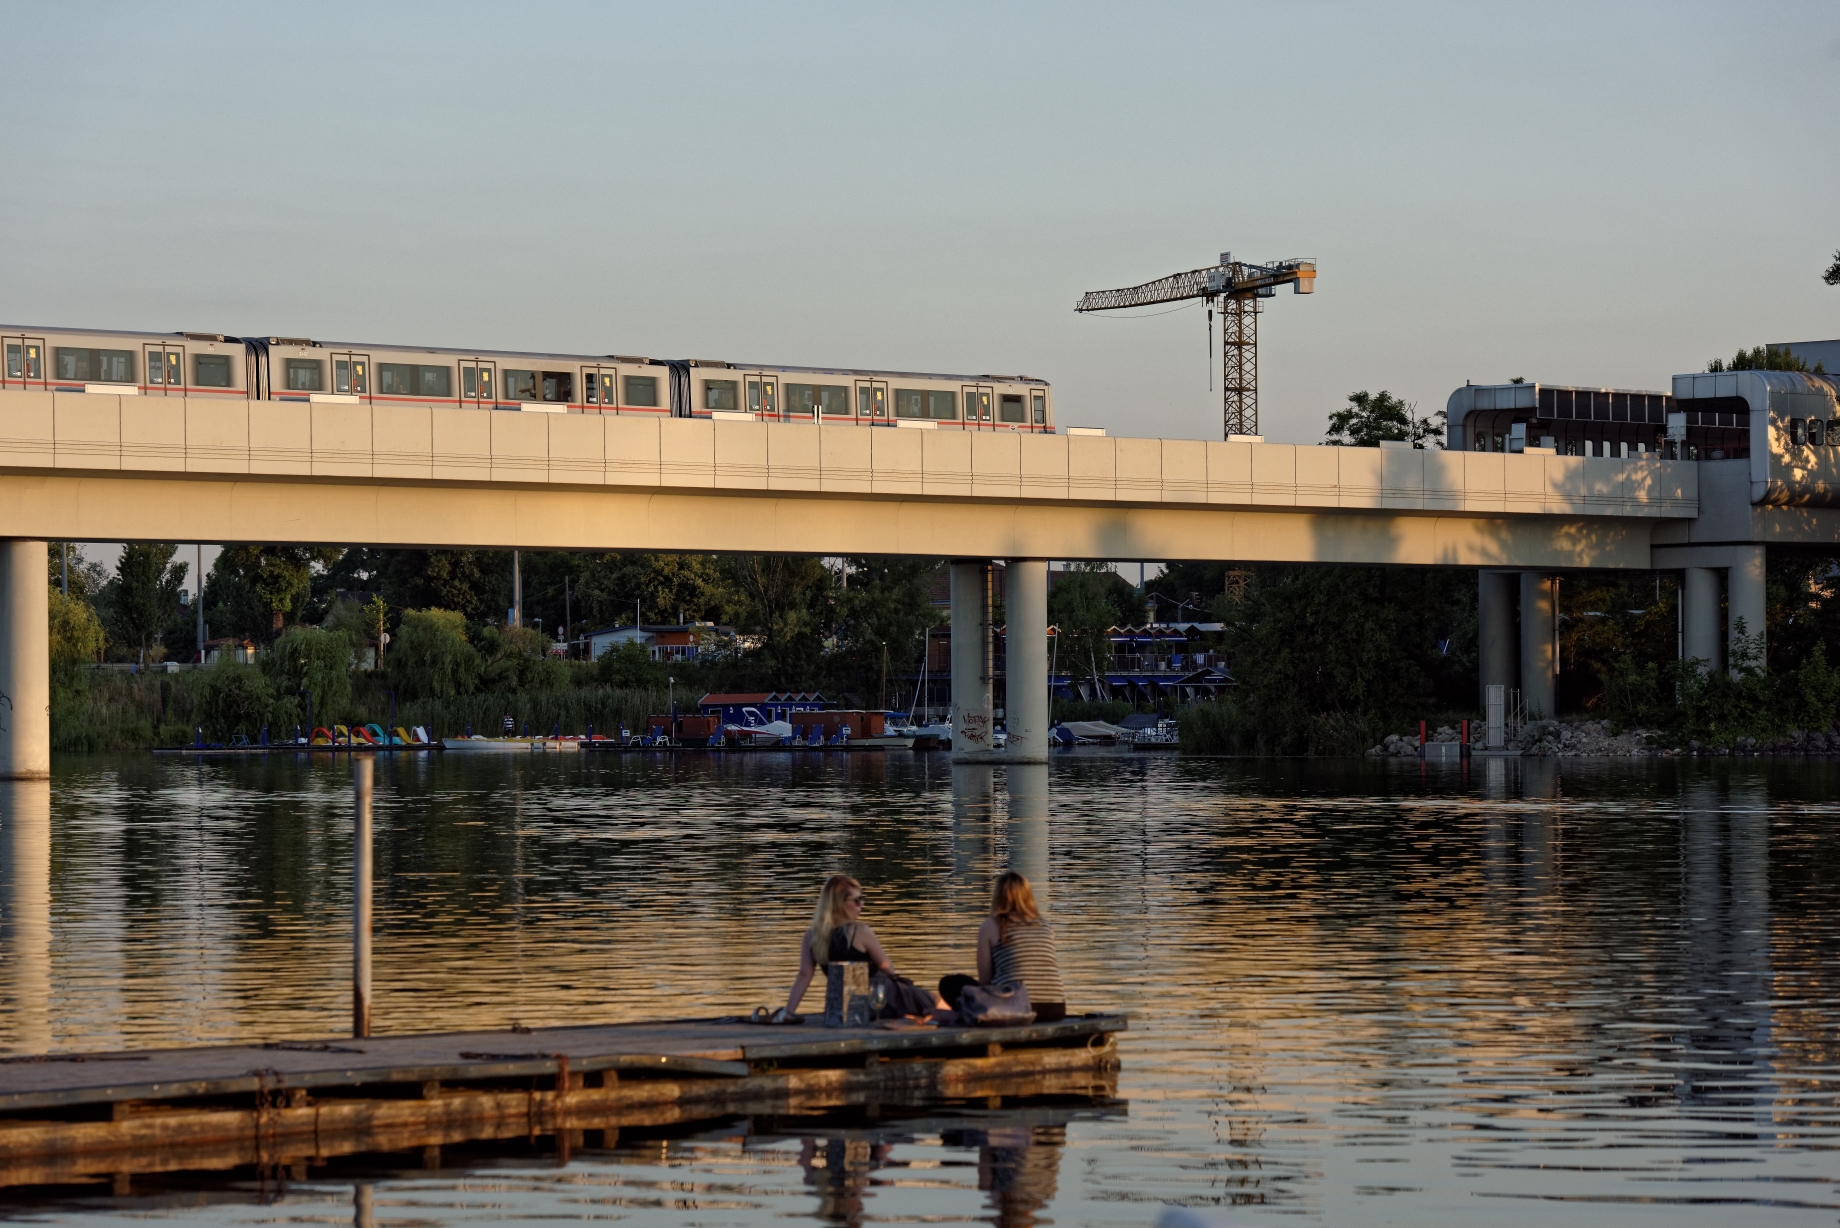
76	1118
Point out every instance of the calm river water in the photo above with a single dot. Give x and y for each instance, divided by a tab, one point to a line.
1601	993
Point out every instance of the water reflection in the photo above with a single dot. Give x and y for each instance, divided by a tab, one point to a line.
1360	994
25	914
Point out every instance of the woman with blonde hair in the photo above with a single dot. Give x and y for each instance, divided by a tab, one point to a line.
1015	946
839	935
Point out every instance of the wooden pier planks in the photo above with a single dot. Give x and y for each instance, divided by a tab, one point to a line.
225	1106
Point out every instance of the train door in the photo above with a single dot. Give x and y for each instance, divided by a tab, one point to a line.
25	362
165	370
763	396
597	388
479	384
977	406
871	401
351	375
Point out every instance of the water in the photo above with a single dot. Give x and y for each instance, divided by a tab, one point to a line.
1602	994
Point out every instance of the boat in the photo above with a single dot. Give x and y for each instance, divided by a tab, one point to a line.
481	743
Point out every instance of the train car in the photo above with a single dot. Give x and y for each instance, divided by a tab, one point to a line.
137	364
843	396
301	369
305	370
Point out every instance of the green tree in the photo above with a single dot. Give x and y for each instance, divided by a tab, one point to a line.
253	589
1832	276
1371	417
1764	358
233	698
431	657
883	615
87	577
629	667
307	661
786	601
1086	602
517	659
143	593
77	637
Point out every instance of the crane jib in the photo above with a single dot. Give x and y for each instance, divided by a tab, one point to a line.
1234	279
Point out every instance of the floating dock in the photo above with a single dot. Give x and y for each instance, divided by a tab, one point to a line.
81	1117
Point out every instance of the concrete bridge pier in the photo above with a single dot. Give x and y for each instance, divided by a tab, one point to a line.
1495	650
1025	702
973	720
1539	650
1699	614
1739	572
25	662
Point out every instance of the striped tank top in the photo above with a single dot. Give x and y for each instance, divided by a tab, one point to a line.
1026	956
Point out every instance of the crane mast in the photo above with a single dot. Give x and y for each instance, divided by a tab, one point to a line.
1235	287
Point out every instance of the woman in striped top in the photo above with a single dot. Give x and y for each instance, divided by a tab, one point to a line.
1016	947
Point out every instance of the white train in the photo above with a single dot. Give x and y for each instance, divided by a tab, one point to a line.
299	369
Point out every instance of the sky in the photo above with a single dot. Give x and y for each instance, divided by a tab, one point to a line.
1601	193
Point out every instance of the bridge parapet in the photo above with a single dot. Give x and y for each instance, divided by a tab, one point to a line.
435	446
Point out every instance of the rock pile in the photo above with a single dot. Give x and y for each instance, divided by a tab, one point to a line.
1562	739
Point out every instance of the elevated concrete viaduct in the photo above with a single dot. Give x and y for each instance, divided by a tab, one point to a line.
78	466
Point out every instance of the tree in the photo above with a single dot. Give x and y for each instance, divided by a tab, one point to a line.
1764	358
629	667
787	602
144	593
1372	417
87	577
1086	602
314	662
883	614
1832	276
77	638
432	658
254	588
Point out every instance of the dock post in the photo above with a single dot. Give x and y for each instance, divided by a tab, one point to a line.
972	718
361	775
1025	656
25	661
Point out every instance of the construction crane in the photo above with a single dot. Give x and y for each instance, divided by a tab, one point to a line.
1235	287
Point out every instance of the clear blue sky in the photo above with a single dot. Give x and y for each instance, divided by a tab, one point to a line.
1598	193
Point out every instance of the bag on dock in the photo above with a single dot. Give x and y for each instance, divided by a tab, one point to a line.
1005	1006
847	1001
900	996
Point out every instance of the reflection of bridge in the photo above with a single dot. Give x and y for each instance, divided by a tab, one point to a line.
88	467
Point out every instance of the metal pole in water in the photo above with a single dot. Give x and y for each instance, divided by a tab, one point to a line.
361	773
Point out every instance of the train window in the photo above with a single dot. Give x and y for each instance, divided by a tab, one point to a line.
801	399
1833	432
1009	408
35	361
605	387
909	403
871	401
103	366
164	367
306	375
15	360
834	400
520	385
642	390
403	379
558	387
719	394
1817	433
1040	406
211	371
942	405
761	398
977	405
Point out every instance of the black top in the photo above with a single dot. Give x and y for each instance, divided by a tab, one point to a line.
844	949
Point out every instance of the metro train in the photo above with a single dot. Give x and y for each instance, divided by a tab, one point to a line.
214	365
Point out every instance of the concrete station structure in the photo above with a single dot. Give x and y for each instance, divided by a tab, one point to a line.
106	467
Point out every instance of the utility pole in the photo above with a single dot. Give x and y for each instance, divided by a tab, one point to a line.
568	621
197	602
517	591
